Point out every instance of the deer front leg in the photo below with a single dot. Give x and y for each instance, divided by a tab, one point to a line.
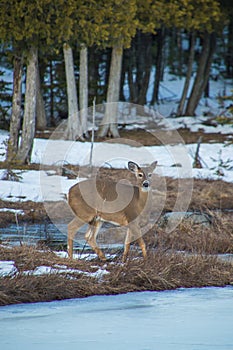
127	245
73	227
128	240
134	234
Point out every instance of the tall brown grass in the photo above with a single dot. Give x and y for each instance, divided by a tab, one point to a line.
164	269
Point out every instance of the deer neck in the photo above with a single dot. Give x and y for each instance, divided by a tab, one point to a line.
142	198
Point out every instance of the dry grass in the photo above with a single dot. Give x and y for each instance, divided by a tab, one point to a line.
165	267
161	271
216	238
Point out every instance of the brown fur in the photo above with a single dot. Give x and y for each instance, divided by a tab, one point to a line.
94	201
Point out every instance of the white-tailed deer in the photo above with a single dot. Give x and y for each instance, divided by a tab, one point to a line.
94	201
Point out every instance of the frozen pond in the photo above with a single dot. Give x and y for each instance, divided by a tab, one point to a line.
48	233
185	319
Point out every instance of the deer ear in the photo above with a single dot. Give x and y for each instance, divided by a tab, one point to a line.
133	167
153	165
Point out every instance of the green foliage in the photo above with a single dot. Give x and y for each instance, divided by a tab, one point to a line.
49	23
97	23
200	15
46	23
29	22
105	23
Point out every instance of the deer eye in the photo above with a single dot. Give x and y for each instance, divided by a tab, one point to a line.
149	175
140	175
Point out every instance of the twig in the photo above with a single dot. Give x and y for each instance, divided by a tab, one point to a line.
197	161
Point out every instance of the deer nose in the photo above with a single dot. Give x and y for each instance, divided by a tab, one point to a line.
146	184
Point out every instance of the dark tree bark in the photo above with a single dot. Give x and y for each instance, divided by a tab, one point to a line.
159	64
201	79
13	142
180	53
146	69
51	94
137	65
123	77
180	108
229	54
41	120
130	55
93	74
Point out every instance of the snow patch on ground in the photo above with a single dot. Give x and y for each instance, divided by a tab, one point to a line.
14	211
7	268
173	161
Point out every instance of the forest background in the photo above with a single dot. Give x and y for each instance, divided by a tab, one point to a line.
65	54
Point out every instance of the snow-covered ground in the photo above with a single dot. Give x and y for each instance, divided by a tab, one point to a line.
173	160
170	91
7	268
193	319
185	319
216	158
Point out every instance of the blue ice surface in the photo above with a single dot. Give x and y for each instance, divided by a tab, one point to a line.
184	319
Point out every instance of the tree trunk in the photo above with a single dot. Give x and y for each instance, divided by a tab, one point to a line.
180	108
147	43
180	55
123	78
229	53
208	64
83	88
106	61
73	130
130	55
41	121
29	119
159	65
109	122
13	142
93	74
51	94
202	73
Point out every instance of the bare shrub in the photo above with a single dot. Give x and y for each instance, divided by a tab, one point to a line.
214	239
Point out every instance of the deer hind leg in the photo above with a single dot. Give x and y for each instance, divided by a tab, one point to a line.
73	227
91	235
142	245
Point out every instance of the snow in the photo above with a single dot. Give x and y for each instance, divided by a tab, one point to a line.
44	185
196	124
83	256
171	89
216	158
14	211
193	319
45	270
185	319
7	268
